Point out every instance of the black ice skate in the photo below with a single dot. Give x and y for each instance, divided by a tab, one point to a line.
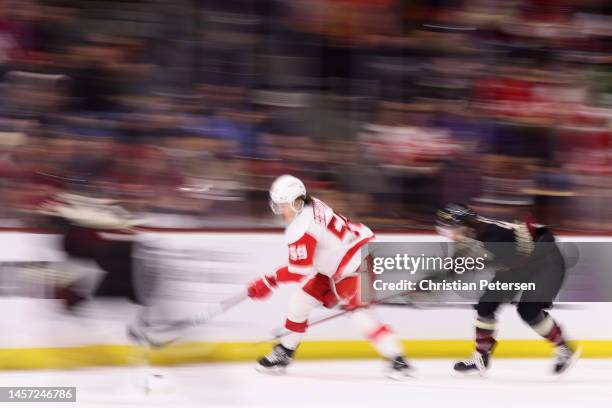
565	358
400	369
277	361
478	364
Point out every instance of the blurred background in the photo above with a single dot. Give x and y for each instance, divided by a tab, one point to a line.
186	110
177	115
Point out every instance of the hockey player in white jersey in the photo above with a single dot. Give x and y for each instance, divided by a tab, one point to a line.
324	257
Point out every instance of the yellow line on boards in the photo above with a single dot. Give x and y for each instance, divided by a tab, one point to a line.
201	352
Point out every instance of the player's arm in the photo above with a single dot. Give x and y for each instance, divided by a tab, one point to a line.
263	286
301	258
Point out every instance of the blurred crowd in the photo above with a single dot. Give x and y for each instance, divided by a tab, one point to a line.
185	110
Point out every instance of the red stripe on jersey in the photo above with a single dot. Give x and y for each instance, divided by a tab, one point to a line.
283	275
301	252
298	327
349	254
378	333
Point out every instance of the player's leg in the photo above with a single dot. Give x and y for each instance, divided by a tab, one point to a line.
485	343
315	292
547	274
82	247
542	323
105	266
486	325
382	338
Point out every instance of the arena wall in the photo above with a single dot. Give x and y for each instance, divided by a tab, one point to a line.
37	334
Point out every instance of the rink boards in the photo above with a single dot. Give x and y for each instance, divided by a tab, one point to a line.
212	265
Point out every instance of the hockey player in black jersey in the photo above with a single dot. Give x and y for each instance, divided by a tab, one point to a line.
98	241
521	251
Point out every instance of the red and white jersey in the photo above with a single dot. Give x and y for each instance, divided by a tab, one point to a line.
322	241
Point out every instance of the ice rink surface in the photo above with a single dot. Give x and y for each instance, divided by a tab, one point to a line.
510	383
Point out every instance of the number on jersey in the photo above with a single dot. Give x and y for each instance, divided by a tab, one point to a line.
338	226
298	252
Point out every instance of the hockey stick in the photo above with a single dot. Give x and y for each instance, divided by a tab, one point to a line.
143	330
426	305
282	333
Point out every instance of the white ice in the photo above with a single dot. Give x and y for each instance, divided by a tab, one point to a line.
510	383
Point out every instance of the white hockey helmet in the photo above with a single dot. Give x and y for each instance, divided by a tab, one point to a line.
285	190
